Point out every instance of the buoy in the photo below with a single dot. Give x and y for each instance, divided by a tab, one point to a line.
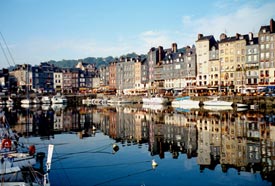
6	143
154	164
31	150
115	148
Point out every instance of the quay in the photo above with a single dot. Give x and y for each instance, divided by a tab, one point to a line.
263	102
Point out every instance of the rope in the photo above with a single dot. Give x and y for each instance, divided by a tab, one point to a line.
7	49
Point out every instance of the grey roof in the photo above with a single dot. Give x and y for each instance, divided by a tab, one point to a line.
205	38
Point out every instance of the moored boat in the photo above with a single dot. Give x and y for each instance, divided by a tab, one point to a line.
185	102
155	100
46	100
216	102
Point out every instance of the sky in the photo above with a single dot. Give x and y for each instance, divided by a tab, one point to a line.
35	31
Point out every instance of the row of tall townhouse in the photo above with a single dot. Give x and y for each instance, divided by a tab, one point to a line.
231	64
48	78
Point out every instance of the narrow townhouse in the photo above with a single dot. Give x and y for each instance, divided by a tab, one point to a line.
267	55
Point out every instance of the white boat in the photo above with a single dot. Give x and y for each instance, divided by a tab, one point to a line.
26	101
216	102
15	176
12	153
46	100
241	105
36	100
56	107
155	100
58	99
217	108
185	102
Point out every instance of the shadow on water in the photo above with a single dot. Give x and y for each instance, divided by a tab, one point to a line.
209	142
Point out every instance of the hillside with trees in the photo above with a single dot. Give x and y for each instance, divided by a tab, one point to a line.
98	61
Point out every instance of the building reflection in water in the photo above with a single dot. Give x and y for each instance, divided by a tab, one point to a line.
244	141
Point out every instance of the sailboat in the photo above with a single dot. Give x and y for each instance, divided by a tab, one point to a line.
185	102
14	156
28	176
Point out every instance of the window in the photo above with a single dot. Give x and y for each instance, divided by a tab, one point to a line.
267	55
249	58
262	56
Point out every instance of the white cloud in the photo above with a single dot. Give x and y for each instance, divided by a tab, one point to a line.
243	20
149	39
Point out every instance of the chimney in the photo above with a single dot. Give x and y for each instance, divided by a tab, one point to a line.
223	36
250	36
188	49
272	26
238	35
200	36
174	47
161	53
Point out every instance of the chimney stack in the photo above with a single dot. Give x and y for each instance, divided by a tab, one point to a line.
250	36
174	47
223	36
272	26
238	35
161	53
200	36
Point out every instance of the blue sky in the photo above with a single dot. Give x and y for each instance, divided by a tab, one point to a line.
42	30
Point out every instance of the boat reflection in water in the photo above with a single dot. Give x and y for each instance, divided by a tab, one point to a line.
191	147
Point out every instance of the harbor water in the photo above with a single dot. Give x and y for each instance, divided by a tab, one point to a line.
117	145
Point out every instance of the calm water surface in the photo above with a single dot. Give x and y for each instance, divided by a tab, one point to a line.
194	148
